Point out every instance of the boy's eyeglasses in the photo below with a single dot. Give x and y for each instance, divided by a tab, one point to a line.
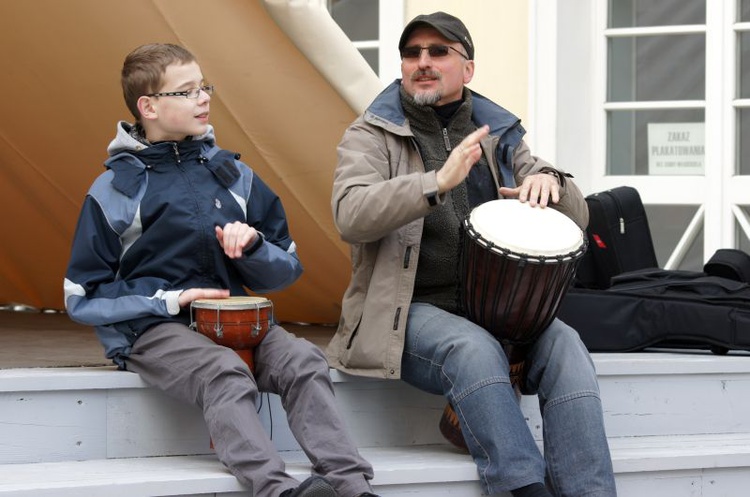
191	93
435	51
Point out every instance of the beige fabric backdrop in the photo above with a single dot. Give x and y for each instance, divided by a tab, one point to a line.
61	99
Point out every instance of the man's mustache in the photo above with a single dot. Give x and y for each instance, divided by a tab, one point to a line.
426	73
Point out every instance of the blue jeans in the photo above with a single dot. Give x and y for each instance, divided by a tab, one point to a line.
448	355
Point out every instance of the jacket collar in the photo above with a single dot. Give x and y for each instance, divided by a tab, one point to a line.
387	112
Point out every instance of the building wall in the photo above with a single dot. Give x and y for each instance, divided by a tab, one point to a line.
500	30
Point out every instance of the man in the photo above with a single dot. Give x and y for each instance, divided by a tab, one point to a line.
426	152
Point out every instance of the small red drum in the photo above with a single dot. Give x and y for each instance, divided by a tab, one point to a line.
239	323
517	264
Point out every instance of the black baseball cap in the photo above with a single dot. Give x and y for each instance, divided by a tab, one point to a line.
447	25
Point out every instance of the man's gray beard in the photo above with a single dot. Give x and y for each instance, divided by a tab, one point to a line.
427	97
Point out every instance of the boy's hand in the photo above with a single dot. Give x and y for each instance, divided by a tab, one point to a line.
187	296
235	237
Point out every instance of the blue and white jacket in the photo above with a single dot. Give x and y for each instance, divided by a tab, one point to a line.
146	233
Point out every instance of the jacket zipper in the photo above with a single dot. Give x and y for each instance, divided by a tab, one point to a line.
446	140
176	153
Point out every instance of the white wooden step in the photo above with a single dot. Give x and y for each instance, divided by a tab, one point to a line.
643	465
400	470
49	415
60	414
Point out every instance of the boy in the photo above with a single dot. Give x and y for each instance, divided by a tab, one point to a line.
174	219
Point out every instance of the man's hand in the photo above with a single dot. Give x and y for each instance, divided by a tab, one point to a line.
235	237
461	160
537	189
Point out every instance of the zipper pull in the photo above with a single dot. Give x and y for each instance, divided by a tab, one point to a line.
622	226
446	140
176	152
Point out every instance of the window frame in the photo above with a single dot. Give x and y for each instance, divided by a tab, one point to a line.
569	114
390	24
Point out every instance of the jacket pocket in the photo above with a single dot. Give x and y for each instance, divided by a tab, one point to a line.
353	334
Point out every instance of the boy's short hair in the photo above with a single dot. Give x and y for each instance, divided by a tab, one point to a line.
144	68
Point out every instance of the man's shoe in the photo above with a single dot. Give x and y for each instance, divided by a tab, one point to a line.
368	494
314	486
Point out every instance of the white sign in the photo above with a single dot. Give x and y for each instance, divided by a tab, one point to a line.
676	148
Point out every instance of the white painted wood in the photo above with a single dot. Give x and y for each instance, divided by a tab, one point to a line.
45	379
670	453
643	394
157	476
675	406
390	413
390	24
52	426
144	422
717	482
672	464
686	240
720	161
655	30
677	424
686	363
543	61
445	489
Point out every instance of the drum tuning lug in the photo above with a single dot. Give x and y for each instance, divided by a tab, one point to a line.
219	330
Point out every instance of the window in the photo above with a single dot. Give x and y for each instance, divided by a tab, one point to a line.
374	27
656	56
359	20
635	82
742	102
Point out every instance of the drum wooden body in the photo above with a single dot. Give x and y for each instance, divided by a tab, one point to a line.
517	264
239	323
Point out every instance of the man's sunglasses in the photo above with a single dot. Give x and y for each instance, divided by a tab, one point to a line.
435	51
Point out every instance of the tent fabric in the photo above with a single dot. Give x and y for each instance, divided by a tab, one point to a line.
319	38
272	104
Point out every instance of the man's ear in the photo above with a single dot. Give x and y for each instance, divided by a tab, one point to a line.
147	108
468	71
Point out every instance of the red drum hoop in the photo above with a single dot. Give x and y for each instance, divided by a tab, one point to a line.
239	323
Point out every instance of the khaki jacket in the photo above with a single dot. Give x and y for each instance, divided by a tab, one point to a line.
380	196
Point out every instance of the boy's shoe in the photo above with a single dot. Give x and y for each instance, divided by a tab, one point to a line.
314	486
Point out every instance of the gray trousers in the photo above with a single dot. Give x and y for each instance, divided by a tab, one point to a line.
190	367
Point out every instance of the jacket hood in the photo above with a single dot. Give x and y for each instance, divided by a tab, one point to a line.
127	140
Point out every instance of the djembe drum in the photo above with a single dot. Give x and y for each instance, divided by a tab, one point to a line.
517	263
239	323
